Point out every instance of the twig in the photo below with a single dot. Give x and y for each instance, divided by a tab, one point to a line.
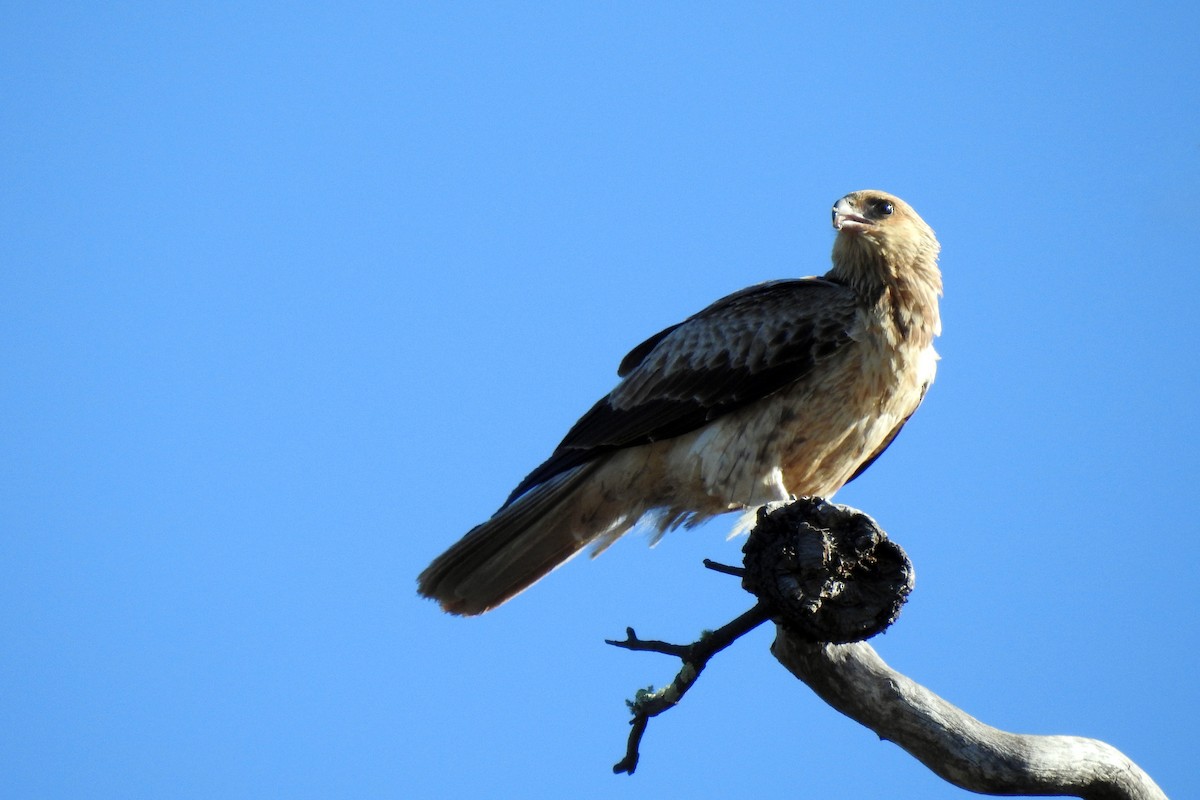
695	657
725	569
632	642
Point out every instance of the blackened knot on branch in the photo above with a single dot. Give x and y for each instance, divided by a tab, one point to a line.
826	572
823	571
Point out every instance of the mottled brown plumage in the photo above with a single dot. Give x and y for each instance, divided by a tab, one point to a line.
787	388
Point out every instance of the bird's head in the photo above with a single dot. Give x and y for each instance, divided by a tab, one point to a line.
880	236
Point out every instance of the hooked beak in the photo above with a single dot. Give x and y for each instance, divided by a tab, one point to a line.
847	218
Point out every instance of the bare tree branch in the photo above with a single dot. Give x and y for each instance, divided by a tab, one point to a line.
853	679
830	578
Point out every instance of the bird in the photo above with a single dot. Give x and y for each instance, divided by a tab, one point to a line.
787	388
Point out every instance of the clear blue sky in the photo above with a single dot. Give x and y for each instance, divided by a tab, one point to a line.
292	295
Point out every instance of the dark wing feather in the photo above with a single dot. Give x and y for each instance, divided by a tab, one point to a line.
639	353
740	349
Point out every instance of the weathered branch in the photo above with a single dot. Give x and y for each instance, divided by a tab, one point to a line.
964	751
830	578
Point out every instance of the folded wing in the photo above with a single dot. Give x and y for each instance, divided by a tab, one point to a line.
740	349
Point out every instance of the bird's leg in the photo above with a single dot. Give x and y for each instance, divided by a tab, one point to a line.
649	703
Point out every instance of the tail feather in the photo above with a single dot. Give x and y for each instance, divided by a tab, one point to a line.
523	542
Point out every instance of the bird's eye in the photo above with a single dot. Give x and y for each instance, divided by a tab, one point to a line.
884	207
